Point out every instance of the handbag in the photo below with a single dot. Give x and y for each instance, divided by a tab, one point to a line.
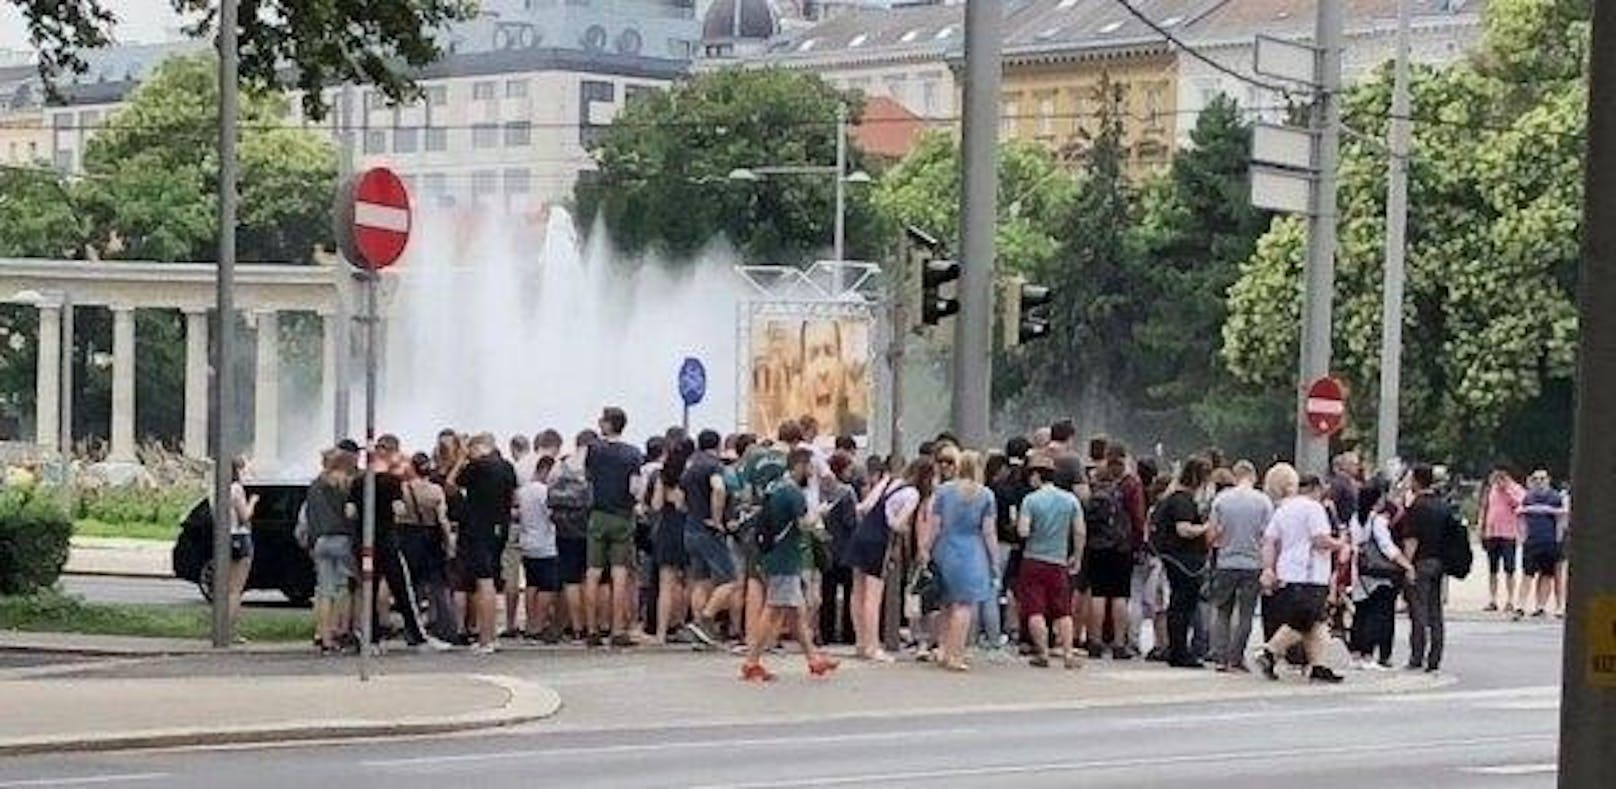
1374	563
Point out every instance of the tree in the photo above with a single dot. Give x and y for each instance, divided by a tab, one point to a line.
663	181
1035	191
328	41
1495	194
152	195
1195	226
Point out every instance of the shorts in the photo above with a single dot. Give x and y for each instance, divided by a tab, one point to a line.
1110	573
668	544
710	559
479	556
510	568
867	556
785	591
333	566
571	559
543	573
1500	554
611	540
1540	558
1042	590
241	546
1301	606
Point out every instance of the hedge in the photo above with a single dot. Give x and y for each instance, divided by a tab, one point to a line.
34	533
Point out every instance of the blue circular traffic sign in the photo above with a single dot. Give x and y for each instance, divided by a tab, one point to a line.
692	381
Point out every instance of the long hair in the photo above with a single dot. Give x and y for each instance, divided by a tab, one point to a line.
922	474
969	473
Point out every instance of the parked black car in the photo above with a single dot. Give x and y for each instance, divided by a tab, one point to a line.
278	561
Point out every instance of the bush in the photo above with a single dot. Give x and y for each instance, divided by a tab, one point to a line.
137	504
34	535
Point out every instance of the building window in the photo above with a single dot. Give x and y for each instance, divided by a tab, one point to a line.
482	91
434	183
437	95
1046	114
406	140
375	141
437	139
590	93
633	93
484	184
516	89
681	48
89	120
64	160
374	100
518	134
62	120
929	98
33	151
1153	106
518	181
484	135
1009	117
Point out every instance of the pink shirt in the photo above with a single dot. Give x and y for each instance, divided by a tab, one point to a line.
1502	502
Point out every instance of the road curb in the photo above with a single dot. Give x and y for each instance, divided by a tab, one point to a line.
526	702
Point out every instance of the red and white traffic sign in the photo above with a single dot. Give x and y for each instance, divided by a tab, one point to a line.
373	218
1326	407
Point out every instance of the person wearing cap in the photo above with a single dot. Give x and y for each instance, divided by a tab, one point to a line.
1051	522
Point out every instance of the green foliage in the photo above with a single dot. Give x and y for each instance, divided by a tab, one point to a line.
127	530
329	41
34	535
1035	193
52	612
137	505
663	182
36	214
152	174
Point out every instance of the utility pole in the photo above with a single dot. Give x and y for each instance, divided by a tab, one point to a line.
840	244
1391	308
1313	450
341	389
1588	683
224	383
973	337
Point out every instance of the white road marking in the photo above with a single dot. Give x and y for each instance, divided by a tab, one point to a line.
664	746
83	780
1111	764
1449	697
1513	769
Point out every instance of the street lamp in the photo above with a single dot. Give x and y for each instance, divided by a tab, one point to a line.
839	170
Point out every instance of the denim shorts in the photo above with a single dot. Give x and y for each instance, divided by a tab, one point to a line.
333	565
710	559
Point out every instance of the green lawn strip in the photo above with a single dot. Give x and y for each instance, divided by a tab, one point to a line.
51	612
135	530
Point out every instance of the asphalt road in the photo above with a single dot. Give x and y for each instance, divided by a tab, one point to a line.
1495	728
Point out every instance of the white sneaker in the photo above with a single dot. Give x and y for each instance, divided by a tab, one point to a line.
484	649
432	644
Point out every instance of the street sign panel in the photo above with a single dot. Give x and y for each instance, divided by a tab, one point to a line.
373	218
1280	190
1326	406
1286	60
1283	146
692	381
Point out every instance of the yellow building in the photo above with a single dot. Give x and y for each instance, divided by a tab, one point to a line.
1064	60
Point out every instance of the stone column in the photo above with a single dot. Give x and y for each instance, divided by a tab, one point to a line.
330	327
266	389
48	379
196	383
123	383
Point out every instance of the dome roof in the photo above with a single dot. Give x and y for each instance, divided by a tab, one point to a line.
757	20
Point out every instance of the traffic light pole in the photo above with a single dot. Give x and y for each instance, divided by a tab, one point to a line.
1588	684
1391	338
1312	449
973	338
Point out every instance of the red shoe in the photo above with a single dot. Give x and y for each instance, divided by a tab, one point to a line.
822	666
755	672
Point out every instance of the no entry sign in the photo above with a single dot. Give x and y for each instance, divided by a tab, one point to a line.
1326	407
373	218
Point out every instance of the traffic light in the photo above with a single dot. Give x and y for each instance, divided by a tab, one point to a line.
934	274
1026	311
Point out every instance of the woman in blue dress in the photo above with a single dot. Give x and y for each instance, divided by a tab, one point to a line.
961	547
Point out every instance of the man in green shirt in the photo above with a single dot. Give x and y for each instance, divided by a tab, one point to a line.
786	516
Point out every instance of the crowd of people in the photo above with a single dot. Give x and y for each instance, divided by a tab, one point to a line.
1059	551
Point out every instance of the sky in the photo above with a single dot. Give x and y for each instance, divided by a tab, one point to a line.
139	21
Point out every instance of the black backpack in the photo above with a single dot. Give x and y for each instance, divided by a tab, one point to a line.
1455	550
569	501
1105	519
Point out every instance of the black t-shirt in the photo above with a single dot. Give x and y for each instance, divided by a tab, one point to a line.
1069	471
610	465
489	484
697	484
388	491
1178	507
1008	495
1424	522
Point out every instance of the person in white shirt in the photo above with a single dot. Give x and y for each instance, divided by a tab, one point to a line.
540	563
1297	552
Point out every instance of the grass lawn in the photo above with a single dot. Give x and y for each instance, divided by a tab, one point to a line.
53	612
89	527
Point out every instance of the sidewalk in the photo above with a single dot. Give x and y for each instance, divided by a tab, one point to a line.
116	556
127	646
54	715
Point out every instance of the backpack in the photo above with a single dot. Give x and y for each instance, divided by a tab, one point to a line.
570	499
764	469
1455	549
1105	518
765	533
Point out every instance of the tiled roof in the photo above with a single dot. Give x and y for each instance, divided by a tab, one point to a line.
895	31
887	129
1237	21
1043	25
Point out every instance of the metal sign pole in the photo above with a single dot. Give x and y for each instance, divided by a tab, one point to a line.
367	545
224	385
